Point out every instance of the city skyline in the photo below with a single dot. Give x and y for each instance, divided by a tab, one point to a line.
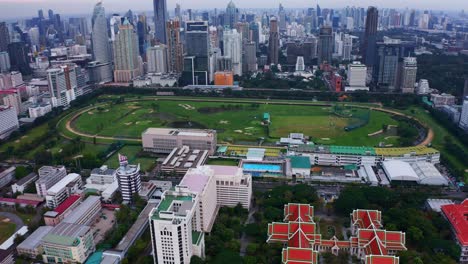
10	10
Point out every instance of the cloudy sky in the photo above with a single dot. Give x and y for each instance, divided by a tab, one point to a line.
28	8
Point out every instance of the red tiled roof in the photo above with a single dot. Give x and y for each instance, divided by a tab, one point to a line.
293	255
382	260
67	203
20	201
298	212
457	214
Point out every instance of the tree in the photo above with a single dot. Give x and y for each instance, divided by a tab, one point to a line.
196	260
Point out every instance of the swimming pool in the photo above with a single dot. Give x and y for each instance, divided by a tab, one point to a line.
261	167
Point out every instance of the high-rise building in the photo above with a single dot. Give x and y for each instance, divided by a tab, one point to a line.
178	14
126	63
174	47
370	37
325	45
274	42
357	74
409	70
142	29
347	47
232	15
157	59
197	46
160	19
423	86
176	233
19	58
5	65
62	84
233	49
249	59
128	177
464	114
8	121
13	100
4	36
100	37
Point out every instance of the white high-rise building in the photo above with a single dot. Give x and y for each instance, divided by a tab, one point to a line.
126	63
338	46
300	66
464	114
62	85
423	86
99	36
8	121
175	228
233	49
357	74
128	177
347	47
408	74
157	59
350	23
34	35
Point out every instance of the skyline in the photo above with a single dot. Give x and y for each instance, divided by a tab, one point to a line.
9	8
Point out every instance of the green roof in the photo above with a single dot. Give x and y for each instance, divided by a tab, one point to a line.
166	203
352	150
196	237
300	162
266	115
61	240
95	258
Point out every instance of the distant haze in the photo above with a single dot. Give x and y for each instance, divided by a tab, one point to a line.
28	8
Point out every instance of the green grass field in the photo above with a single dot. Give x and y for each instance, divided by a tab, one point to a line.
6	229
131	152
234	122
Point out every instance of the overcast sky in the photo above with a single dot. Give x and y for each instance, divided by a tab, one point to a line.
28	8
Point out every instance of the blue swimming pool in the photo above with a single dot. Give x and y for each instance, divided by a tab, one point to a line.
261	167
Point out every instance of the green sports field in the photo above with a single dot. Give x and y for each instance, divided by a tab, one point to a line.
234	121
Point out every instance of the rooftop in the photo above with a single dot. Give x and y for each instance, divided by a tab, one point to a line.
26	179
166	205
456	215
78	212
66	234
63	183
418	150
180	132
352	150
67	203
300	162
33	240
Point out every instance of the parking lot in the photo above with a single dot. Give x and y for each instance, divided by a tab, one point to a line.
104	222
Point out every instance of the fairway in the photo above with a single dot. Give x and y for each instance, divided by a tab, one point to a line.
234	121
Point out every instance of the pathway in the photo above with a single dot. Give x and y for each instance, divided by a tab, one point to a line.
14	219
245	240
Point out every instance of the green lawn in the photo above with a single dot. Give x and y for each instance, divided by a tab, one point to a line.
6	229
131	152
224	162
234	122
438	142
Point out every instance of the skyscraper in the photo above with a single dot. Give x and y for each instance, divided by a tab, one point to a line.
233	49
196	63
249	59
232	15
273	43
178	14
370	37
128	178
325	45
100	37
19	58
160	19
347	47
126	63
4	36
409	70
157	59
174	47
142	29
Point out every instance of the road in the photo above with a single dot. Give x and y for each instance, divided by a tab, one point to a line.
14	219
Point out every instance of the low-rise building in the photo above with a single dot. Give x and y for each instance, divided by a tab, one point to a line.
63	189
456	215
440	100
86	212
39	110
300	166
164	140
21	184
31	247
48	177
68	243
8	121
53	218
180	160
